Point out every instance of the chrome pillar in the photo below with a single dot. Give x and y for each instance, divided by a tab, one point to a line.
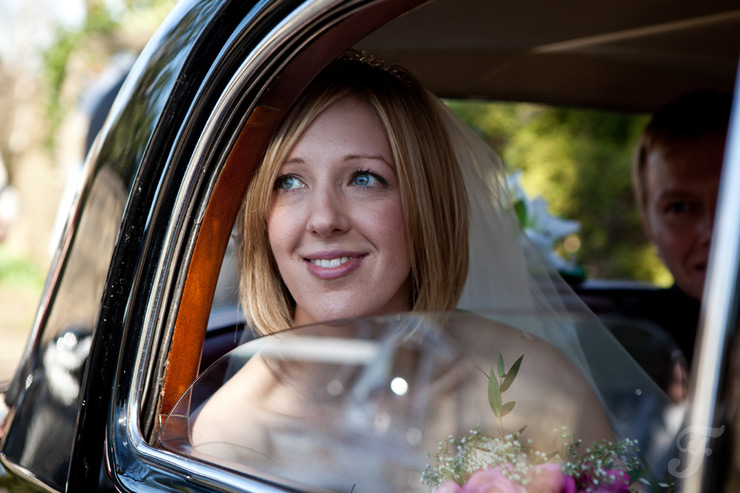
707	441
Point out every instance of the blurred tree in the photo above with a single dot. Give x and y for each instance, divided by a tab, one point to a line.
49	86
52	59
579	162
110	27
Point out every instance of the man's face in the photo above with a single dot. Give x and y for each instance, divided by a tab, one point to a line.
681	187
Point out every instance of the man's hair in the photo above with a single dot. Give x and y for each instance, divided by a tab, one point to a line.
682	122
433	194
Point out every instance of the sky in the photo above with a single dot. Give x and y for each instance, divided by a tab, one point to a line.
27	27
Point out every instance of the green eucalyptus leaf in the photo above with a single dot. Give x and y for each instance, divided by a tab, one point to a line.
520	208
494	395
511	375
501	367
506	408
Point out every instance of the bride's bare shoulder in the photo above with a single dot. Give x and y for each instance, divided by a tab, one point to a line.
488	336
545	372
469	327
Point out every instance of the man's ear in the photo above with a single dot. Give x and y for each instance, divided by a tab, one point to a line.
650	236
646	227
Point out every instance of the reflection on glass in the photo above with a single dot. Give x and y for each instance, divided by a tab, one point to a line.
42	433
358	406
399	386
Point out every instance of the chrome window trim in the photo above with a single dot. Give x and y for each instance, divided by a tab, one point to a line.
717	327
124	432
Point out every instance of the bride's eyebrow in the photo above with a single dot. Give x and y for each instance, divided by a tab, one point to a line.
374	157
292	162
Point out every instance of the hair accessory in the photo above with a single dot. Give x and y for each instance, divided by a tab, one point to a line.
370	60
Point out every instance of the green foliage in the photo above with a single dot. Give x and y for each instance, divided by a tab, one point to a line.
494	395
97	37
56	58
497	386
18	272
508	377
579	161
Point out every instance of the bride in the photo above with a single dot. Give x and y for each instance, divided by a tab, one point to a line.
374	200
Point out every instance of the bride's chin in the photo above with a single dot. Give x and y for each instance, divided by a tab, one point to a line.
350	304
326	314
331	313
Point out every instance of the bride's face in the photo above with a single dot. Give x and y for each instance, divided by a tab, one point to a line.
336	225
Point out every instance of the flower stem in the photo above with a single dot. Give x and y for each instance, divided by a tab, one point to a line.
500	417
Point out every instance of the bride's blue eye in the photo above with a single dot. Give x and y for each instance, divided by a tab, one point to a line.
367	179
288	182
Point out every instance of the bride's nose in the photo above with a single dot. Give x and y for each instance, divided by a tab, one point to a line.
327	214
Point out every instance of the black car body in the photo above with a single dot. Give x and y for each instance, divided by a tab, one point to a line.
121	326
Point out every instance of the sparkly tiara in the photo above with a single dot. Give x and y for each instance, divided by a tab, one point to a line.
370	60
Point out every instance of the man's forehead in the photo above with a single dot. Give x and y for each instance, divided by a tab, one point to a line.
666	145
700	159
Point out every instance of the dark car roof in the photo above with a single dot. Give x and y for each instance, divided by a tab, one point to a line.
630	55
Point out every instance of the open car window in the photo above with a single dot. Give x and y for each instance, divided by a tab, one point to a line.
225	320
358	405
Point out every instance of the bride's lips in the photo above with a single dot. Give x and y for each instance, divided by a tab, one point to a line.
333	264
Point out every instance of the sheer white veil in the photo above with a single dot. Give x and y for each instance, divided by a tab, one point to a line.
509	280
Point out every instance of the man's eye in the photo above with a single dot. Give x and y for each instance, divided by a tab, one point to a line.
680	207
367	179
288	182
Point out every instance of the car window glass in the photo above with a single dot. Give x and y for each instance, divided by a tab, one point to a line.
360	404
43	431
227	287
226	320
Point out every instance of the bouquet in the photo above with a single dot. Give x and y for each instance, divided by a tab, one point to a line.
477	463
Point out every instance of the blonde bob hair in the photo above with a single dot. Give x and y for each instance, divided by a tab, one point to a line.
433	196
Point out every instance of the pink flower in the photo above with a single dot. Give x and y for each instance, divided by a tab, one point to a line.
448	487
491	481
569	486
548	478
